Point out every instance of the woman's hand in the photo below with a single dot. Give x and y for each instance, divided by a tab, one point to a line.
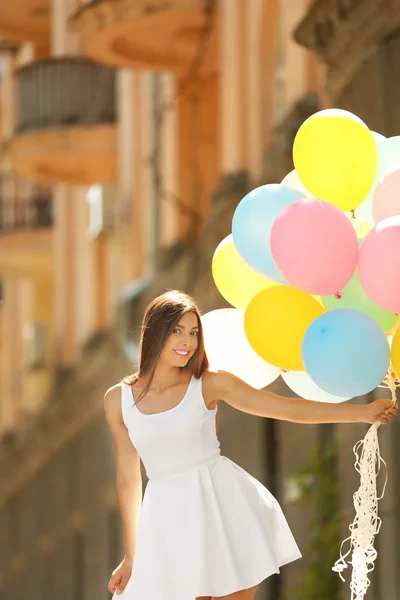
381	411
120	576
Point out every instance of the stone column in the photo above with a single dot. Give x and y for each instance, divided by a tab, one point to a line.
7	94
64	276
168	210
64	248
198	154
269	46
89	293
142	174
132	243
73	252
122	243
232	92
9	364
295	57
253	85
63	40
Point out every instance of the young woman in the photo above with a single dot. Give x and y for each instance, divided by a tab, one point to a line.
207	529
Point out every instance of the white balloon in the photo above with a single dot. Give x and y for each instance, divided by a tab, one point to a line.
302	384
292	180
227	348
363	212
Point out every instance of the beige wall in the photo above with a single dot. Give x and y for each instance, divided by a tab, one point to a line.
258	74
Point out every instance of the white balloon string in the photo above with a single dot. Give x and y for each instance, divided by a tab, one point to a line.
366	523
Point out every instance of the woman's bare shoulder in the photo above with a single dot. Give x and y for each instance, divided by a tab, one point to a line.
214	384
112	401
125	449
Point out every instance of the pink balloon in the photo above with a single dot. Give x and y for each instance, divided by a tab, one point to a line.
315	246
379	264
386	201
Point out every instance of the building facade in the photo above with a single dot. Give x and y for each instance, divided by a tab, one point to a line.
130	130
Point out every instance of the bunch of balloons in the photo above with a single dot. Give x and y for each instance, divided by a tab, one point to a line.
312	268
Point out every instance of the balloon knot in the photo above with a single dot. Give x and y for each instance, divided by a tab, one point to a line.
338	295
285	371
353	213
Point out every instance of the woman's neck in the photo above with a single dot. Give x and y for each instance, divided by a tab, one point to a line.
167	376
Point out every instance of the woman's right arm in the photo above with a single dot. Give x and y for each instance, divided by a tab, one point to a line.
129	480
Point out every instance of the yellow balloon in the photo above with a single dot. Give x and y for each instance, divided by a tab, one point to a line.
336	158
236	281
395	353
275	323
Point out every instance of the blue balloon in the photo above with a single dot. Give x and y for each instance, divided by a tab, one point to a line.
345	352
252	224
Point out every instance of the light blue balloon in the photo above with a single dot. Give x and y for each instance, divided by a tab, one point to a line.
389	157
345	352
378	137
252	224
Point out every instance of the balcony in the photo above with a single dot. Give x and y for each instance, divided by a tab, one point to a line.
26	235
158	35
25	20
343	33
65	122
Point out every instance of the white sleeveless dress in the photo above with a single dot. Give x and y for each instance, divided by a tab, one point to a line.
207	527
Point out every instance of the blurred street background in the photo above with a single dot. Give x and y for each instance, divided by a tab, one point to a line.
129	132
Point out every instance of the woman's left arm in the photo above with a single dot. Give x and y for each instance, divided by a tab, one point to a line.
240	395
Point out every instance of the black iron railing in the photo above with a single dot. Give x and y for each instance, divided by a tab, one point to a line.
64	92
24	206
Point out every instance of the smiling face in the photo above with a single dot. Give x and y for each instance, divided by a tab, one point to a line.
171	332
182	343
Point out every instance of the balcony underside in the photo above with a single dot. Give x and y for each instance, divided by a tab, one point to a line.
76	155
158	36
25	20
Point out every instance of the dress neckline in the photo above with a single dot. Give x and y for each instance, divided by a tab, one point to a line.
163	412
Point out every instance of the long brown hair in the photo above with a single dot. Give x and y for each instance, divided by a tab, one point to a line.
161	317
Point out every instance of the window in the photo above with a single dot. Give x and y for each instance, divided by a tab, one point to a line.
132	307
